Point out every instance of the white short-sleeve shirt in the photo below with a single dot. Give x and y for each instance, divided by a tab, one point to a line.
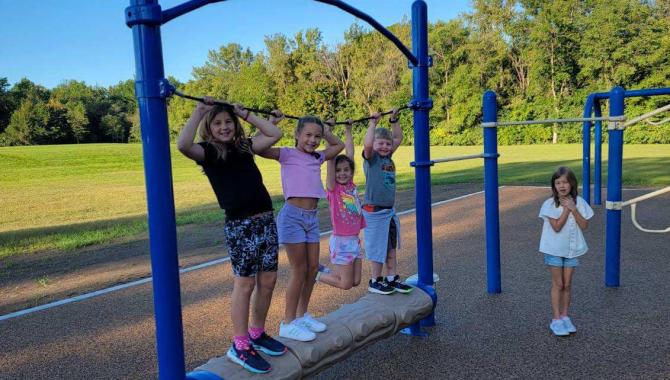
569	241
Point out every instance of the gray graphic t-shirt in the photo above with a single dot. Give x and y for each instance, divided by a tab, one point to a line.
379	180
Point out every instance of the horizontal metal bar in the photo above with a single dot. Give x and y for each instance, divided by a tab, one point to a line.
646	196
647	92
459	158
647	115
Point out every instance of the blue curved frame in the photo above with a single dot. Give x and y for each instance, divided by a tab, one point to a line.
145	18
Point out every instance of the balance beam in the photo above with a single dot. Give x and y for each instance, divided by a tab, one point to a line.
350	328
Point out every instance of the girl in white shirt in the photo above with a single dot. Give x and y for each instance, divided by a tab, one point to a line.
565	216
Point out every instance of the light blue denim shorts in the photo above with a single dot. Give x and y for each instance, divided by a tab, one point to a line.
563	262
297	225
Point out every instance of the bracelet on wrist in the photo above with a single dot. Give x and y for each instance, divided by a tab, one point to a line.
247	116
393	120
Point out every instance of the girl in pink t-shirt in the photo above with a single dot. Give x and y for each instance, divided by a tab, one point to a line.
347	219
297	222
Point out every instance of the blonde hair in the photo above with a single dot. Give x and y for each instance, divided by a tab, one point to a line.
383	133
240	142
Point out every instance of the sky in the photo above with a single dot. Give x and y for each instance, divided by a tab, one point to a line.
50	41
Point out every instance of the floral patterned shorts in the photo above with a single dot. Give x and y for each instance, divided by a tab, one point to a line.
252	244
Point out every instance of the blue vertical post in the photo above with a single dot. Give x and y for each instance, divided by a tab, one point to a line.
490	110
586	151
421	107
144	17
614	171
598	148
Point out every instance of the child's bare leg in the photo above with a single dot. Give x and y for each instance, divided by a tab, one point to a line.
310	277
566	294
556	290
297	257
376	269
358	267
265	285
391	262
342	277
239	304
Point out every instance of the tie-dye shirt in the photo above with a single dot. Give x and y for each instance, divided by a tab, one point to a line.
345	210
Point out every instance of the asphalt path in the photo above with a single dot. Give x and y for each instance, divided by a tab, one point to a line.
622	332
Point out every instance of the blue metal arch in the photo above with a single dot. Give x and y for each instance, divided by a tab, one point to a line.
188	6
145	18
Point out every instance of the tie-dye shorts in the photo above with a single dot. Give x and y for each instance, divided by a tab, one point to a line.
344	249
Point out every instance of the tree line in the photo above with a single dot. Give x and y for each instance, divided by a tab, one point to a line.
541	57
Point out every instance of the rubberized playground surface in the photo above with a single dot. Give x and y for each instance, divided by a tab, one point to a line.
622	332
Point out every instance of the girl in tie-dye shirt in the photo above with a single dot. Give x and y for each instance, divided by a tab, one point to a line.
347	218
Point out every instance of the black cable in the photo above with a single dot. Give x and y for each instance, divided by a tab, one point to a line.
265	112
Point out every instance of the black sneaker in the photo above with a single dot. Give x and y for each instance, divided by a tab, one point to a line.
380	286
249	360
268	345
400	286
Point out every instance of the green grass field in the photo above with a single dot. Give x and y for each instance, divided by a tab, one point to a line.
68	196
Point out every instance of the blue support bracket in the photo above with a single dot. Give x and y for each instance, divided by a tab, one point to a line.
421	163
429	63
146	14
416	328
421	105
166	89
202	375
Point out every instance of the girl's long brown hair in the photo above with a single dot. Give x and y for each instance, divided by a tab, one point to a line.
240	142
572	180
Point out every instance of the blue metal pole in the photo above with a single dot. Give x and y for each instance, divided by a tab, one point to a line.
597	170
421	104
144	17
586	151
490	110
614	171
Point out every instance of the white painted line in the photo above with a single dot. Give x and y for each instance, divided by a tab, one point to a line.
185	270
74	299
547	187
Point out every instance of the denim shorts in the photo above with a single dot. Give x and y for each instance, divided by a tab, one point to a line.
252	244
563	262
344	249
297	225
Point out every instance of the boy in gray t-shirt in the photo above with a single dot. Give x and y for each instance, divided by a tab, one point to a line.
379	180
383	227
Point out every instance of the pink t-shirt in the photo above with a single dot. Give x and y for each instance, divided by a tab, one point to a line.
301	173
345	210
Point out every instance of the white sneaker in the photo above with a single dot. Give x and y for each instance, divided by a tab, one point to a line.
558	328
568	324
295	331
311	324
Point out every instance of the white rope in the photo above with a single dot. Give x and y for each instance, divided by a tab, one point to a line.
633	203
555	121
657	123
459	158
647	115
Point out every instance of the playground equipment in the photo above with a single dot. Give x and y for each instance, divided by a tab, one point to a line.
350	328
145	18
616	127
633	203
